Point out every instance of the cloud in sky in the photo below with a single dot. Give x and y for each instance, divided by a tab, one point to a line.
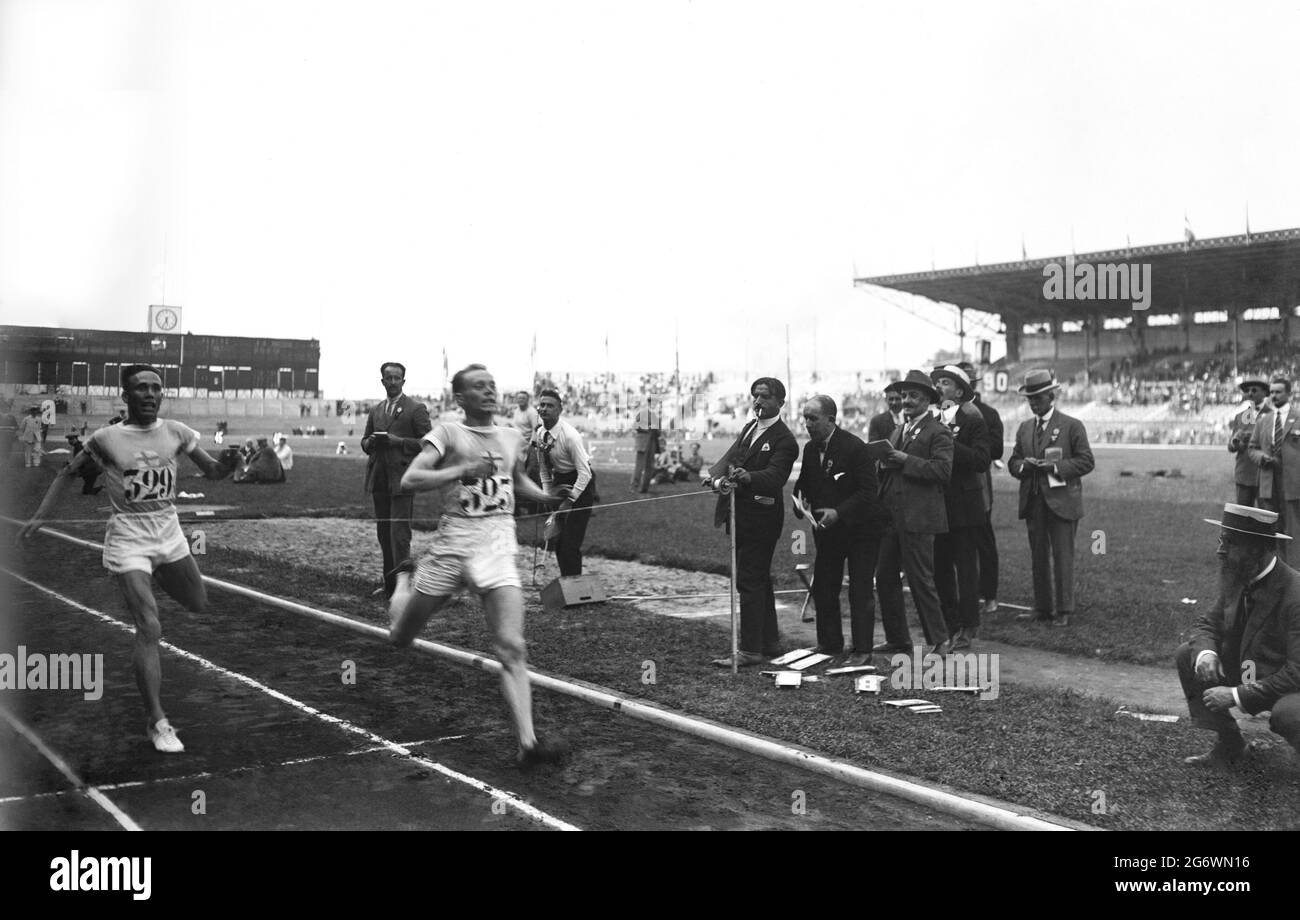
396	178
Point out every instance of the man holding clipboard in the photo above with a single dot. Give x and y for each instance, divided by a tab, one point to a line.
1050	458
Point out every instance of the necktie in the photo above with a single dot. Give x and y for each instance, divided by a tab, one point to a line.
1277	430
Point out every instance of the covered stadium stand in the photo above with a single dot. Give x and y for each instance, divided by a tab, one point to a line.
1225	296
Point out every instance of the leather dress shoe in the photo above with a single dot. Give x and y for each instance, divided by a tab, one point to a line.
857	659
1061	619
743	660
960	641
989	606
1223	754
889	647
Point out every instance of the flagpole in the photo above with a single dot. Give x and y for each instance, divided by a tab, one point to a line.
788	375
677	372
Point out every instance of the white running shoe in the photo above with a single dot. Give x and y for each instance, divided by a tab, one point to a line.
164	738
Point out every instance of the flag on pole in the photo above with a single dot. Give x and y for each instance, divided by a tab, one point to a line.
446	368
1188	236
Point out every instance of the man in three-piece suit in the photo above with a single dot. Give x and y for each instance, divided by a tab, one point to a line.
1275	448
1050	458
957	551
912	478
837	481
392	439
759	464
1245	649
1246	473
882	426
986	543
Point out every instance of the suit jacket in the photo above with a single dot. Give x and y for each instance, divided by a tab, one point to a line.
1243	426
880	427
964	493
1269	636
913	493
1076	461
407	425
843	478
997	436
1261	446
769	461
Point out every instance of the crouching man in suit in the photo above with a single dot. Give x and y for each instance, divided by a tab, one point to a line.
1245	650
837	481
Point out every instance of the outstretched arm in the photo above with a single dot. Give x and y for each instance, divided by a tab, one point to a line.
53	494
212	469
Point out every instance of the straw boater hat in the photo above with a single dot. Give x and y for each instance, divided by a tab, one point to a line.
956	374
1039	380
918	380
1253	382
1254	521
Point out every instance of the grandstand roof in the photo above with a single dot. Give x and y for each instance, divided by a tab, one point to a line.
1254	269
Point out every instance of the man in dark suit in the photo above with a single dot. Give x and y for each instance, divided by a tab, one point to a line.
957	550
986	543
1275	447
882	426
1050	458
1245	650
837	481
1246	474
758	464
912	479
392	439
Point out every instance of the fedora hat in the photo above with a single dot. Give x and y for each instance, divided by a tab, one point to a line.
956	374
1039	380
1254	521
915	380
1253	382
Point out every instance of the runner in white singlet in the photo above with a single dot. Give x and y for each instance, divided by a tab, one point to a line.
144	539
478	469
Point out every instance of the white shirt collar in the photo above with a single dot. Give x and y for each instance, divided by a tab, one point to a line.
765	423
1046	417
1268	568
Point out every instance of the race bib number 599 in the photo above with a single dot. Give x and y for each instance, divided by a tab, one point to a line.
149	485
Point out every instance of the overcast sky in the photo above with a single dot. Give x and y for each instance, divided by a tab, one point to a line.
396	178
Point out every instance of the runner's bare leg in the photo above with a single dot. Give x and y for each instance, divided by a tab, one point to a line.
504	609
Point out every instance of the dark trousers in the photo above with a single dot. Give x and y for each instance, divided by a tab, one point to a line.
1285	717
393	515
756	536
645	463
859	550
914	553
986	547
573	525
1288	517
956	577
1247	495
1051	551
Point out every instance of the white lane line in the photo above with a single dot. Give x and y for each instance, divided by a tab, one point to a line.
188	778
511	800
1006	816
91	792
